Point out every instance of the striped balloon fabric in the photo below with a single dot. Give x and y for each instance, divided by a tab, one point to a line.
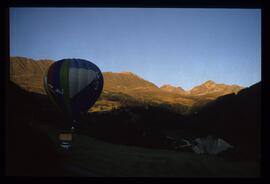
73	85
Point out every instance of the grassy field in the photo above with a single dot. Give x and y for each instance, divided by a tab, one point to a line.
113	160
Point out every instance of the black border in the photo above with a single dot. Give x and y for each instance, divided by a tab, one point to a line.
140	3
254	4
4	51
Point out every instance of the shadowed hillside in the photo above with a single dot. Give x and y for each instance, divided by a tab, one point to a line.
146	125
30	152
236	117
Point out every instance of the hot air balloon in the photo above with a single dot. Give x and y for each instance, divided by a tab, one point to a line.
73	85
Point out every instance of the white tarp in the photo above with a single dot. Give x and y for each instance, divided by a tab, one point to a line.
209	145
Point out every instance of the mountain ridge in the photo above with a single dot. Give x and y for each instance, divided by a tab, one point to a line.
214	89
28	74
173	89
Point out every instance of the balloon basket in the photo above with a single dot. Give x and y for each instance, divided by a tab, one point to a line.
65	140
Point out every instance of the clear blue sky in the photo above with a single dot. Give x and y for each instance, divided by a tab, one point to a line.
181	47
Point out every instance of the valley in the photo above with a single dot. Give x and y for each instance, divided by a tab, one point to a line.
138	122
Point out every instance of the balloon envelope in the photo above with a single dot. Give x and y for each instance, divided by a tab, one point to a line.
73	85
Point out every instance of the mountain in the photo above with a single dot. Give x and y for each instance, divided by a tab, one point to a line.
123	86
125	82
210	89
141	89
172	89
28	73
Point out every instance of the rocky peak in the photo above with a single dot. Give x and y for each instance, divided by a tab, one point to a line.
213	89
170	88
209	84
127	72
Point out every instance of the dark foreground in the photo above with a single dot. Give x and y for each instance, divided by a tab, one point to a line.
110	144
